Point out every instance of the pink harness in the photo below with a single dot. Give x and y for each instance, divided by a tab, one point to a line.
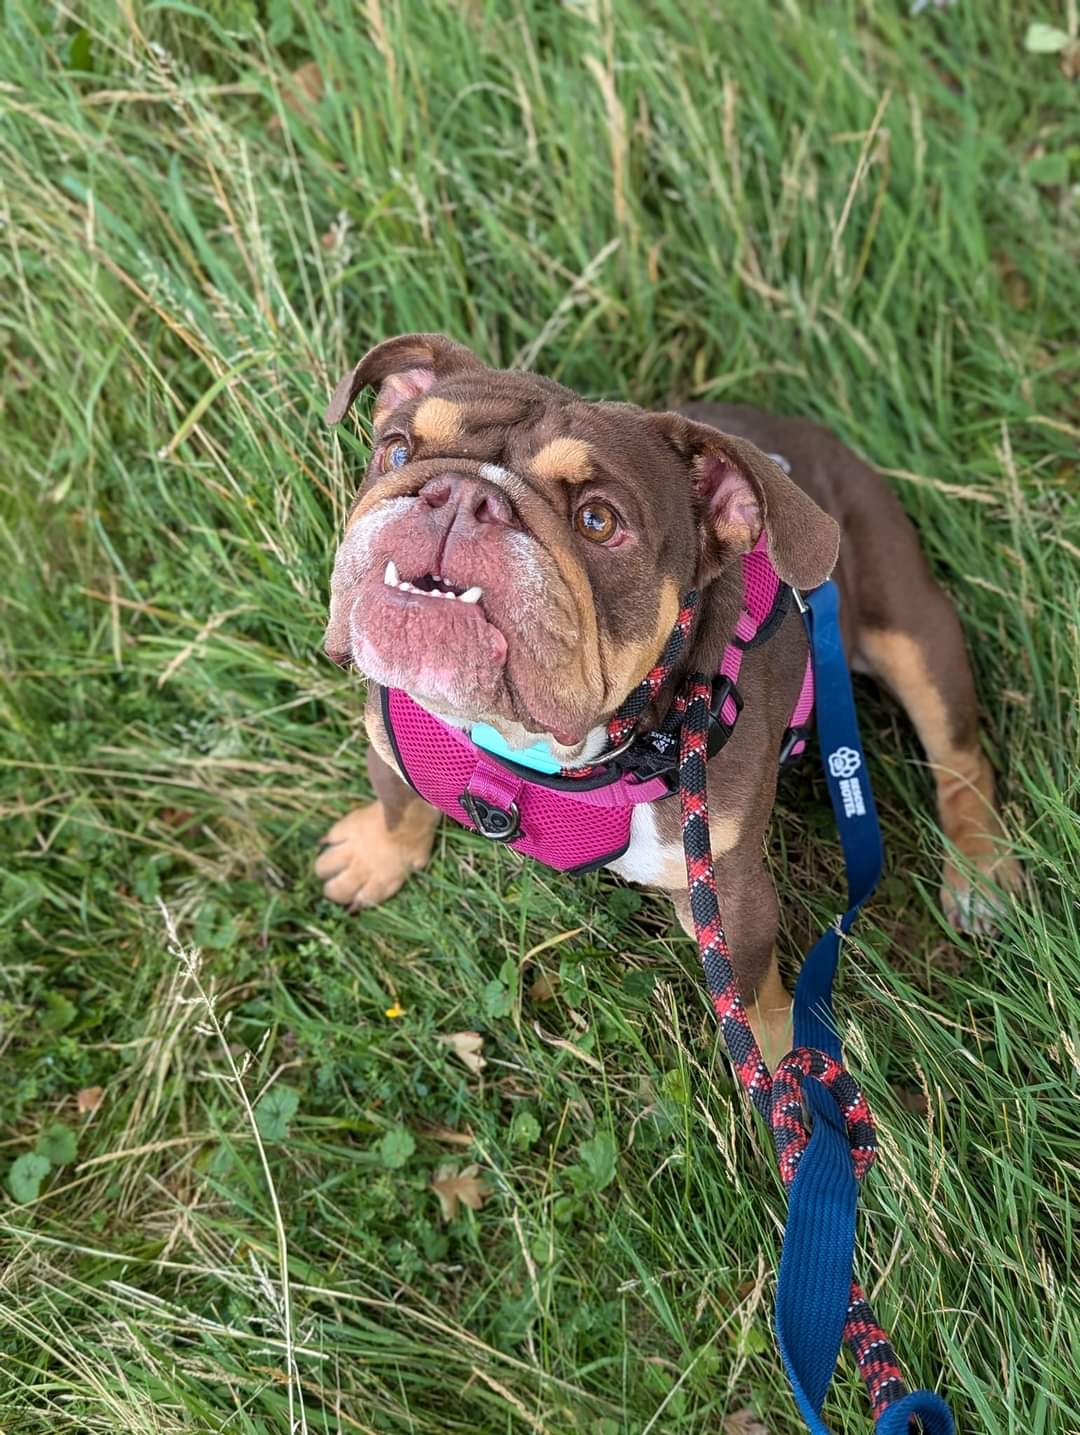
576	824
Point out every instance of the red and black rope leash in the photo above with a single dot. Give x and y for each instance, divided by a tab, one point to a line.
776	1096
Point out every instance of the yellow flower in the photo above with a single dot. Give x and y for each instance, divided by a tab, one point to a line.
393	1012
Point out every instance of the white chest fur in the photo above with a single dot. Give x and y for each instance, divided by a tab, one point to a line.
649	859
658	862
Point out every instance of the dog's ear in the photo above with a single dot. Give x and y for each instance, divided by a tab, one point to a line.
740	492
403	368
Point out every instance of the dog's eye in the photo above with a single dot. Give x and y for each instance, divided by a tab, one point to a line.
394	455
597	522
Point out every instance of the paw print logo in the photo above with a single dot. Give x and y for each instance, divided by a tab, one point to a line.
844	762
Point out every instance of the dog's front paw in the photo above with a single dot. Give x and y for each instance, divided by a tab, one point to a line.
363	862
974	905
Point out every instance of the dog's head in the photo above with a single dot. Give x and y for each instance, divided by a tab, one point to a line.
516	554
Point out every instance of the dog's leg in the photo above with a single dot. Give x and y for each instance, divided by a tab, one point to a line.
925	664
368	854
750	915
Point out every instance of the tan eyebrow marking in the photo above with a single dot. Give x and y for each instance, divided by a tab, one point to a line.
563	458
438	421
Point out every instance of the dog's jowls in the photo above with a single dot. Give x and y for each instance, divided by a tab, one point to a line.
516	555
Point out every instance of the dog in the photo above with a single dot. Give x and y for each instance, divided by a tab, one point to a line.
516	557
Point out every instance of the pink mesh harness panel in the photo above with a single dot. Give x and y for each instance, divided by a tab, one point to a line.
570	824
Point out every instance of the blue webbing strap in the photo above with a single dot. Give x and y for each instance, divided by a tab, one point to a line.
816	1264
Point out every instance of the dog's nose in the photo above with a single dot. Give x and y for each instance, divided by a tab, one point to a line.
473	498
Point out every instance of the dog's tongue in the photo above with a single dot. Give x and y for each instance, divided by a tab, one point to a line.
566	739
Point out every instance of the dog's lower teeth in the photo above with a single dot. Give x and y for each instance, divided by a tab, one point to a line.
391	579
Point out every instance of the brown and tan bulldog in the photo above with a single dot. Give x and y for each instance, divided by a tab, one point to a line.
566	532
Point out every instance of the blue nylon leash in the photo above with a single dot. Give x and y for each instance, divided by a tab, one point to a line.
815	1273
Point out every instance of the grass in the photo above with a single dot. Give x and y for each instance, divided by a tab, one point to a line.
840	210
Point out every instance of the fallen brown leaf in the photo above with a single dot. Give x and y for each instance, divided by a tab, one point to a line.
466	1046
543	988
459	1188
90	1098
175	816
564	1045
303	89
744	1422
443	1133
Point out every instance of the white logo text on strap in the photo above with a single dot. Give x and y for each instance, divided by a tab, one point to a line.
844	762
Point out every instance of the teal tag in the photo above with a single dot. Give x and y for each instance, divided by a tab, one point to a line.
538	757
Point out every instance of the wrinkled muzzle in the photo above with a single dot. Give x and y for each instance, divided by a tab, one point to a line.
443	589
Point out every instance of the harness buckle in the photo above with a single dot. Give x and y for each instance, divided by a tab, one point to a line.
656	754
644	762
719	731
794	735
500	824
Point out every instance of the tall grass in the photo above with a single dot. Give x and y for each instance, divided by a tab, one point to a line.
207	214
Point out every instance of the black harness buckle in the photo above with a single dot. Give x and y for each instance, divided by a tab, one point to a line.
644	762
794	735
657	754
719	730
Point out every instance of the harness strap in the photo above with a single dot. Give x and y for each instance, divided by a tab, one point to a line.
763	602
795	741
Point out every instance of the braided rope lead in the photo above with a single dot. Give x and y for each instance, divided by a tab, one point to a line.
776	1097
625	720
